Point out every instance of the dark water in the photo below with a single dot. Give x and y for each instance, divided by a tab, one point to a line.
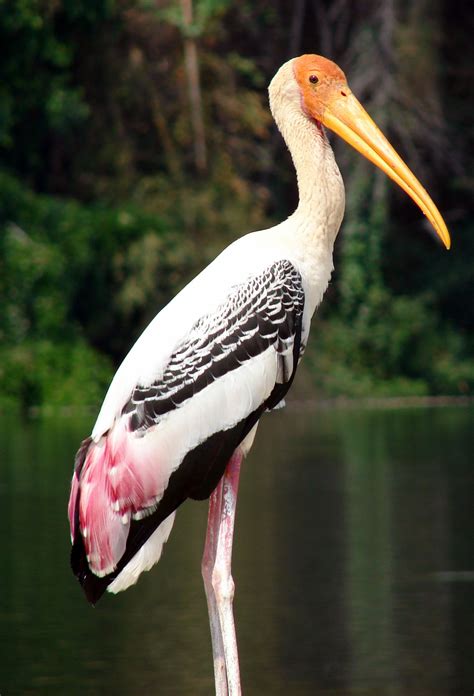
354	566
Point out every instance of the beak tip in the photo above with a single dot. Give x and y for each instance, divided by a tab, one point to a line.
447	241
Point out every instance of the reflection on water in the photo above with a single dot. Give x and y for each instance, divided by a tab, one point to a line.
353	564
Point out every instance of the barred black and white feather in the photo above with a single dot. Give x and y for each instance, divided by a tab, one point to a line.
260	313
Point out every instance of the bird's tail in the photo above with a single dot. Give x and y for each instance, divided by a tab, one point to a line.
109	552
93	586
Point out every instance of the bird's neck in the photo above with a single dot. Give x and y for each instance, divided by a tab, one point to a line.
320	187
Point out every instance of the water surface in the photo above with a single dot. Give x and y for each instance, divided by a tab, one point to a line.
353	563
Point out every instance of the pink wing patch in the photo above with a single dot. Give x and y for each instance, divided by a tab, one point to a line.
121	478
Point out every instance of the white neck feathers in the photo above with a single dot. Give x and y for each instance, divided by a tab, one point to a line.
320	186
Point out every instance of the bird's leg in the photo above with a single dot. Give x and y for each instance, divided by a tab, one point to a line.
216	568
207	567
222	580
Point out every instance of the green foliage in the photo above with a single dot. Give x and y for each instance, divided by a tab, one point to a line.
392	346
69	275
37	94
95	106
53	374
205	12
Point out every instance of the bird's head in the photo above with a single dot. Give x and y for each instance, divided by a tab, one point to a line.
325	97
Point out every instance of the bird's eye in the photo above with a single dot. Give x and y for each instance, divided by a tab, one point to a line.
314	79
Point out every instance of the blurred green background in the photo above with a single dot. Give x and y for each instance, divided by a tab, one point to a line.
136	142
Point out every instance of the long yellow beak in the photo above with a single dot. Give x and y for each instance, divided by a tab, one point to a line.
347	117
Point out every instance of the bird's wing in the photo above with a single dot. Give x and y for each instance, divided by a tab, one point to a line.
175	435
259	314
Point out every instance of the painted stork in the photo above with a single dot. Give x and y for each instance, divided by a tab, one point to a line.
183	408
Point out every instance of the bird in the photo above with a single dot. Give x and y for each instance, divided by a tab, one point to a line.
182	411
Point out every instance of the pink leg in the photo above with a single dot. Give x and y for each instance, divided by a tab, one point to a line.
207	566
218	582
